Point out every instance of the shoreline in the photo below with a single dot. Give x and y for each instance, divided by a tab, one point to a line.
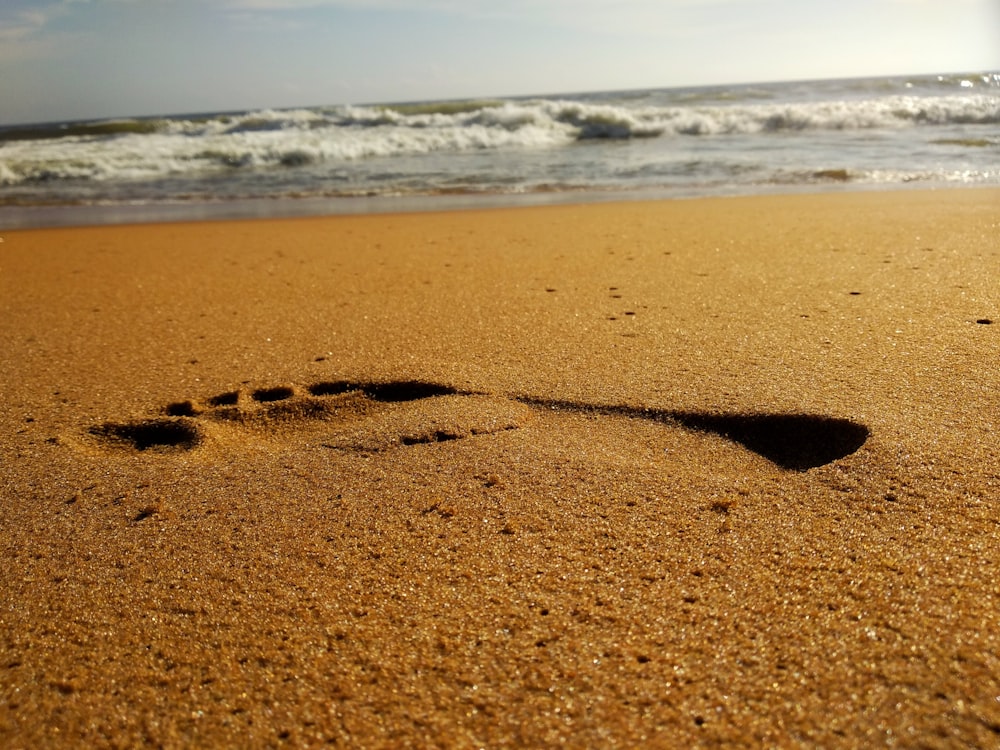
49	216
718	472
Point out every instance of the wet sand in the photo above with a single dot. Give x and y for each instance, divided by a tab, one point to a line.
688	473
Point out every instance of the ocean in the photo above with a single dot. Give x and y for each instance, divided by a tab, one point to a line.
929	130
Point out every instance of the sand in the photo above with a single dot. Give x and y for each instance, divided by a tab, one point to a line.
689	473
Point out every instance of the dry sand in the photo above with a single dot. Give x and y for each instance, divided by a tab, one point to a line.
687	473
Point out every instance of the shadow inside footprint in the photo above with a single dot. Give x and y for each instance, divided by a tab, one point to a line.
792	441
394	391
438	436
796	442
406	390
155	434
229	398
268	395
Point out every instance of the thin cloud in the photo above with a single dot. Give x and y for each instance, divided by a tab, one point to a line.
24	33
17	24
30	29
642	18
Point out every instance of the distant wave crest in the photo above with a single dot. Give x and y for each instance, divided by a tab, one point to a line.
291	139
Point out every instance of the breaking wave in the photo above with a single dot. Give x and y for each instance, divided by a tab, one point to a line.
881	131
128	149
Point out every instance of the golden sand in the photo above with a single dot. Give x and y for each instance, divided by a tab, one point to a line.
690	473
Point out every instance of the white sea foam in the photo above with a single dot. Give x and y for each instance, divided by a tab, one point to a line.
724	136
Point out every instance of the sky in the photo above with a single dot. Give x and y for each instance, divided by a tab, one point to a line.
89	59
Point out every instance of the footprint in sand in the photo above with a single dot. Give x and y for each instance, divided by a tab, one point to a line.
378	416
342	415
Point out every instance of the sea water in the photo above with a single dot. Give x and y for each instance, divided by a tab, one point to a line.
720	140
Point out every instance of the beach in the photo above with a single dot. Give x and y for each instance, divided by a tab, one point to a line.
690	473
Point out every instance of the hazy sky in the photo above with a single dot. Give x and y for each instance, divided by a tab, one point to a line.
65	59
